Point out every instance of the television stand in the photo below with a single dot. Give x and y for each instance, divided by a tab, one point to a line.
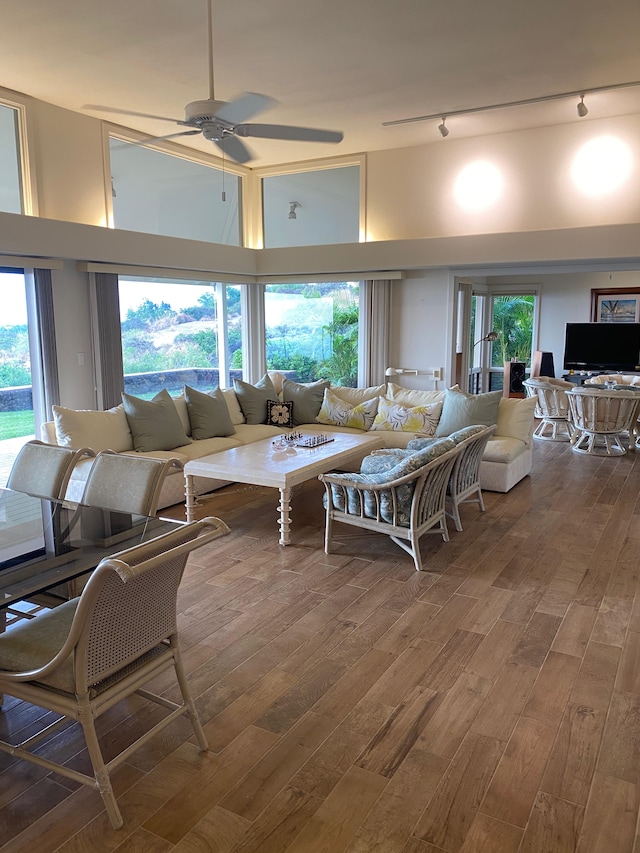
579	378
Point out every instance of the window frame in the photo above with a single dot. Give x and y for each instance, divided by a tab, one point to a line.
26	159
191	155
255	199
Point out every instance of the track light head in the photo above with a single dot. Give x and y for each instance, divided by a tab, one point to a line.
444	130
582	107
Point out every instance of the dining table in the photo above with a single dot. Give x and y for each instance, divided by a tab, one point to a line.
46	544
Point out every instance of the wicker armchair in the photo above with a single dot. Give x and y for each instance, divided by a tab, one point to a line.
552	408
464	482
404	502
601	418
84	656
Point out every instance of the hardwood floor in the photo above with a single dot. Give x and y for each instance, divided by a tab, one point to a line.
488	705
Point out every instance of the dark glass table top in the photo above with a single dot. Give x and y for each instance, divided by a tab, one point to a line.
44	544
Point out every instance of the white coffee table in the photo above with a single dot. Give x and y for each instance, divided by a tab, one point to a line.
260	465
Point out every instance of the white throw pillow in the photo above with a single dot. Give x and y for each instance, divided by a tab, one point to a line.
339	413
107	430
355	396
515	418
422	420
183	412
409	397
234	406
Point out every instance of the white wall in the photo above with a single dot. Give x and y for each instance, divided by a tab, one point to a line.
410	192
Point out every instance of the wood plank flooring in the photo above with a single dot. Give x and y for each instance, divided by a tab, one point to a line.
490	704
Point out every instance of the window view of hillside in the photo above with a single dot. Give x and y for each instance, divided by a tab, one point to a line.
16	401
312	331
177	327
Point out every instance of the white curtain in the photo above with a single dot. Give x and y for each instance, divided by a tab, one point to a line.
374	332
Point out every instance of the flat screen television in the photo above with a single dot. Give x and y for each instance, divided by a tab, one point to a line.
602	346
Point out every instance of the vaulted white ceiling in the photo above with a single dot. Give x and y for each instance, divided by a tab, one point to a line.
338	64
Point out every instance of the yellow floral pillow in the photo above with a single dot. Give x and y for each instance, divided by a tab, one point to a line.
339	413
419	419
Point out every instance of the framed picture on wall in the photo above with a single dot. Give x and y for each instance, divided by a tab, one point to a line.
615	305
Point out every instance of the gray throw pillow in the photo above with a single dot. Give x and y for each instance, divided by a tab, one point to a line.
307	399
461	410
253	399
155	424
208	413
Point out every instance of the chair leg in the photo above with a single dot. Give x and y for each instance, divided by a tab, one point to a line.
100	771
415	551
327	532
188	701
455	514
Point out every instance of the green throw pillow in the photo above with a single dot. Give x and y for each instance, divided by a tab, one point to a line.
253	399
208	413
460	410
307	399
155	424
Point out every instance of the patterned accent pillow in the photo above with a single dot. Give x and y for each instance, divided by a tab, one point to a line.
396	416
339	413
279	414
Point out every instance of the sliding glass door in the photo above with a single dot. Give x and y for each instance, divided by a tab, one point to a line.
17	422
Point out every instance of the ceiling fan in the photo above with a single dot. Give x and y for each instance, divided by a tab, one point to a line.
223	122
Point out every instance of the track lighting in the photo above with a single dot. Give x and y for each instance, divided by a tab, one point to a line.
581	107
292	209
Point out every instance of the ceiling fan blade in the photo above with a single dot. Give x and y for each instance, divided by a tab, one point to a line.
244	107
130	113
283	131
234	148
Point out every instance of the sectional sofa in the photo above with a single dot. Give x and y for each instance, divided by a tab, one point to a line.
196	424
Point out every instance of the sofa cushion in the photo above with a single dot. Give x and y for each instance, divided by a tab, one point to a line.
154	424
208	413
246	433
516	418
253	399
421	419
504	450
355	396
338	412
107	430
200	448
410	397
307	399
460	410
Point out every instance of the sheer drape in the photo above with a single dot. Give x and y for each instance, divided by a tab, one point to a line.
374	332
